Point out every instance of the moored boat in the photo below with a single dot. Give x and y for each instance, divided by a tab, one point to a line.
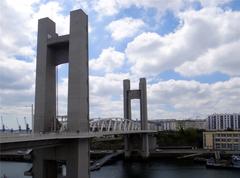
233	163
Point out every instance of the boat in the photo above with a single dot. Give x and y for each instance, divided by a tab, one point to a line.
236	160
233	163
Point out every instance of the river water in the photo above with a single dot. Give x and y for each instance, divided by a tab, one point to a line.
122	169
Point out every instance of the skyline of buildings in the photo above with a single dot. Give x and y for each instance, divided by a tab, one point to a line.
212	122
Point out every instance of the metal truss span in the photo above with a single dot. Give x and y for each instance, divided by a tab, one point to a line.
109	125
117	124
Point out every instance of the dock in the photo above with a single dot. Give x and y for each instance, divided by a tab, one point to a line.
101	162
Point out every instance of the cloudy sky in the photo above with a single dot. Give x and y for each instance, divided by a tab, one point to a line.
189	51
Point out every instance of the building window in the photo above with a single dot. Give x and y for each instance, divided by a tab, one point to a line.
224	145
235	147
238	121
229	145
221	122
231	120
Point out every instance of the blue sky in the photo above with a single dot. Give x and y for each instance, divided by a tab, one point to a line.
187	49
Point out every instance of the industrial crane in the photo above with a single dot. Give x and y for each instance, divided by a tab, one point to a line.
26	124
3	126
19	126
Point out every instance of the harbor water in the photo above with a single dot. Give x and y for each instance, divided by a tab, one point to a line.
123	169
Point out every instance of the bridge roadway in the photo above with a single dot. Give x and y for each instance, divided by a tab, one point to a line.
21	141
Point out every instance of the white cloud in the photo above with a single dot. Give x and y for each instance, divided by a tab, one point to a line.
53	10
166	99
16	74
16	87
125	27
19	25
82	4
224	58
108	60
106	7
187	98
199	32
113	7
16	35
207	3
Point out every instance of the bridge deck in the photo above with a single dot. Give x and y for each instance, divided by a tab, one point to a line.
13	138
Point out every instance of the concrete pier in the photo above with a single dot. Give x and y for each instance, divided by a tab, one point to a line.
136	143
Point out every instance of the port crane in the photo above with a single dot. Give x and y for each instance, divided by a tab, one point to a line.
3	126
26	124
19	126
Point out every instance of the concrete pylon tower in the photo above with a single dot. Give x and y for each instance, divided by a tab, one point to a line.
140	94
53	50
132	142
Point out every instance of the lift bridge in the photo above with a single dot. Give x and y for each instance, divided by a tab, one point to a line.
68	142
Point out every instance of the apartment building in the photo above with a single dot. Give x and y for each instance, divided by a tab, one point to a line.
223	122
222	140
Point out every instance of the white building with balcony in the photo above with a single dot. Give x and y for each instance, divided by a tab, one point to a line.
223	122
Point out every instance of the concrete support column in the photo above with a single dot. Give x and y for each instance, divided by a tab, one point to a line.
145	146
143	104
127	149
44	163
45	93
152	141
78	95
50	168
78	159
78	85
127	114
144	116
126	100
